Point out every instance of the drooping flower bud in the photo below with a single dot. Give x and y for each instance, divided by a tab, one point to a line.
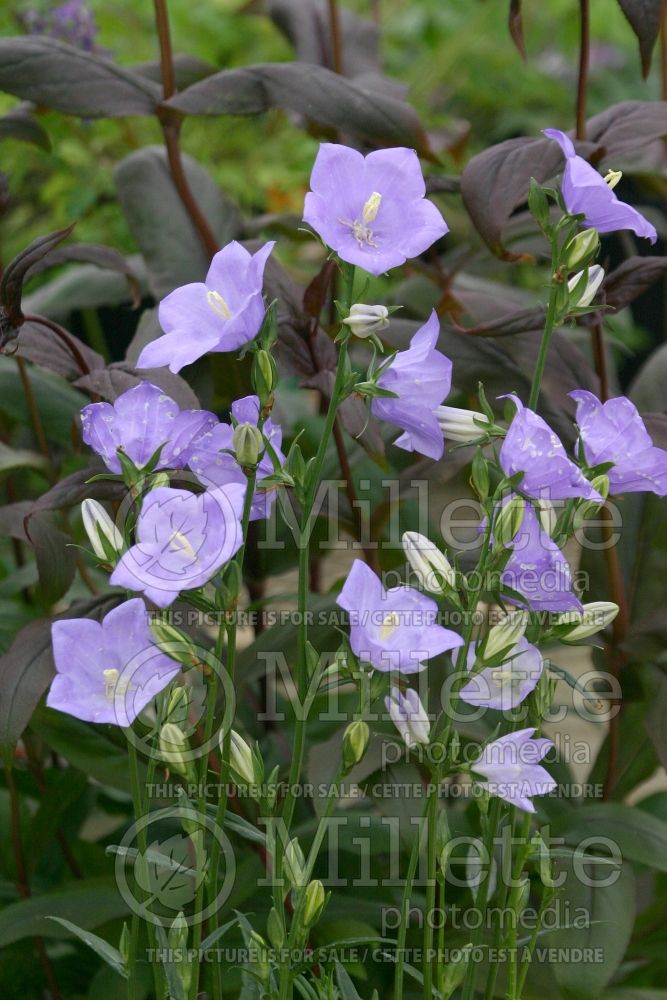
582	249
595	279
314	902
103	535
355	742
432	568
595	617
504	635
461	425
248	444
175	644
364	320
409	716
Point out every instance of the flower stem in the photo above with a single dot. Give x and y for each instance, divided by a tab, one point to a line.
405	906
482	896
584	58
431	829
549	326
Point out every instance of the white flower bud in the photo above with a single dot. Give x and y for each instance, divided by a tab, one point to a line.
103	535
505	634
461	425
596	616
174	748
409	716
248	444
295	864
595	279
432	568
364	320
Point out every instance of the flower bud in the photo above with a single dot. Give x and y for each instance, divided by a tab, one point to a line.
175	749
259	955
595	279
582	249
248	444
595	617
124	946
355	742
175	644
546	513
103	535
314	902
461	425
432	568
241	758
294	864
505	634
409	716
364	320
263	375
274	929
178	933
509	521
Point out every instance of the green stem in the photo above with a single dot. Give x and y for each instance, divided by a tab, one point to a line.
519	861
405	906
549	326
221	810
547	894
482	897
431	829
138	808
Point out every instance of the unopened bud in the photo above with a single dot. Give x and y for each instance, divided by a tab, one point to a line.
259	956
103	535
594	617
314	902
248	444
274	929
505	634
294	864
460	425
175	749
241	758
175	644
178	932
582	249
355	742
595	277
264	375
509	521
432	568
364	320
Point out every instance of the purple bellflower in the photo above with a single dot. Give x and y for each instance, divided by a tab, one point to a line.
512	770
615	432
393	629
108	671
421	377
371	209
537	569
214	466
219	314
507	685
182	541
531	447
138	422
587	193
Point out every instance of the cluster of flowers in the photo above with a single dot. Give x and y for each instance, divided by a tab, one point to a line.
372	212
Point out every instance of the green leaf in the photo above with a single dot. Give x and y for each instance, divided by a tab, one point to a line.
639	836
345	985
165	874
64	789
57	402
101	947
20	458
160	224
378	118
60	76
610	911
86	903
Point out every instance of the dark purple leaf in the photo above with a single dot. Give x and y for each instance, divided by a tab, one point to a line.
38	344
21	124
313	91
117	378
626	282
626	127
515	25
88	253
54	555
59	76
644	17
187	70
11	286
72	490
316	294
306	24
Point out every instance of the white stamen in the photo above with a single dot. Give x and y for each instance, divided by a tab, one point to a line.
218	304
612	177
389	625
371	208
110	681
